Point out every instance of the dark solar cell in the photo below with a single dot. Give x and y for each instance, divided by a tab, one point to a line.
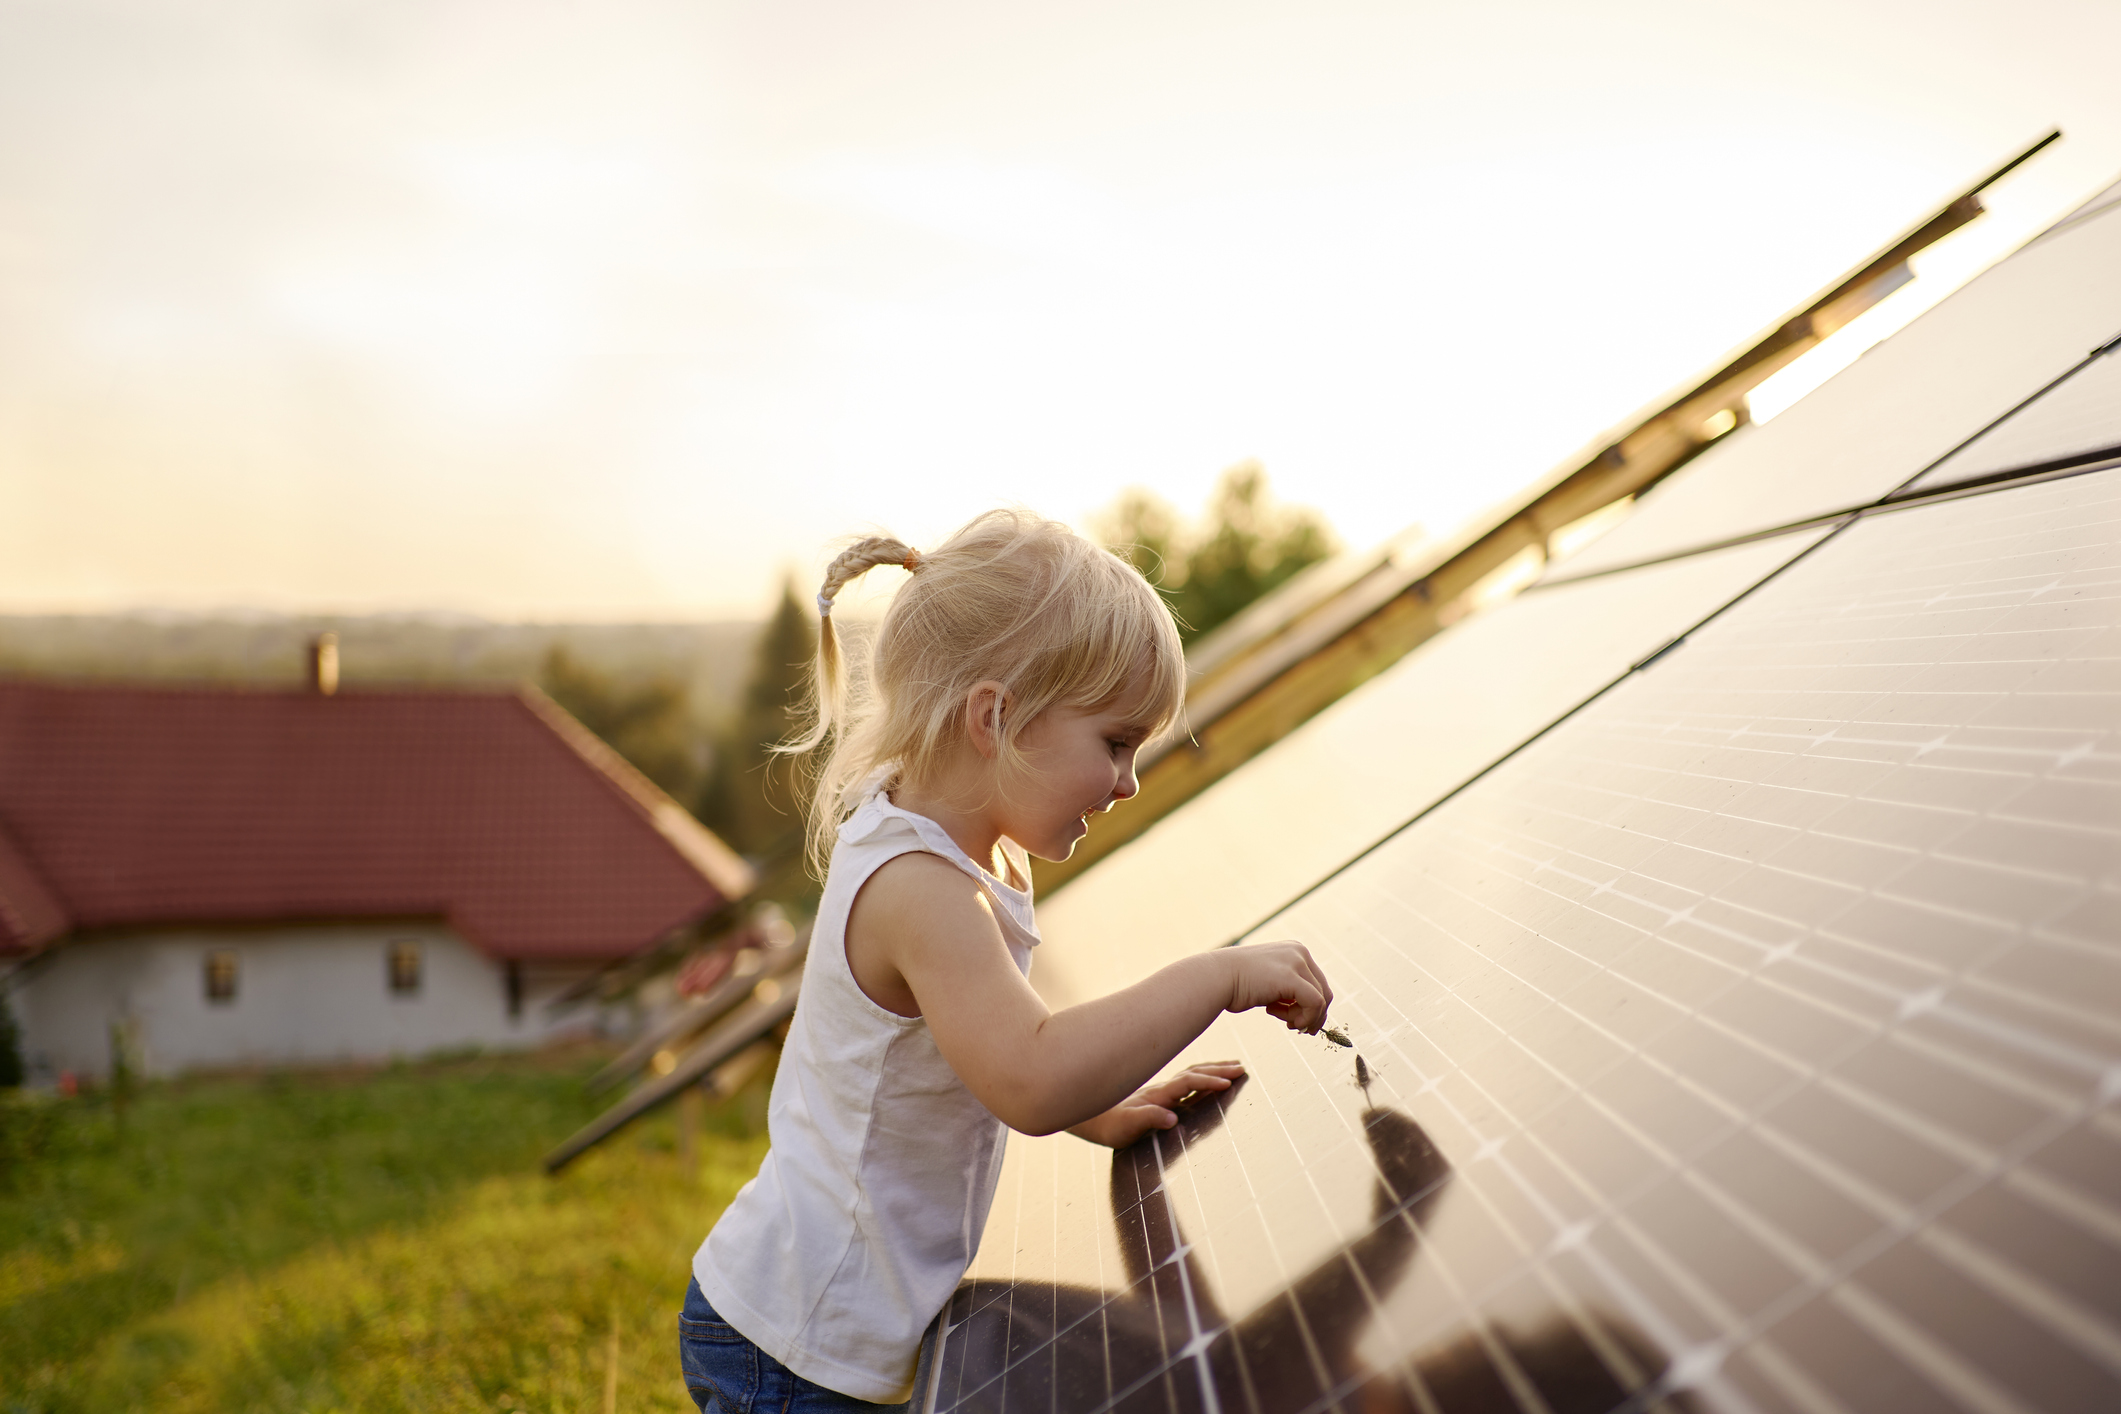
1338	784
1889	415
2077	418
1751	1041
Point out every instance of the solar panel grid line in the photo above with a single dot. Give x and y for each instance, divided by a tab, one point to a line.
1913	1003
1977	1070
1911	496
1469	1312
2076	418
2066	1318
1642	1311
1197	1346
1160	1190
1962	366
1619	1118
2021	1351
1203	1240
1657	1321
1902	1220
1472	1299
1966	1383
2068	1203
1910	1002
1786	1377
1198	1334
1474	779
1286	1273
2103	1070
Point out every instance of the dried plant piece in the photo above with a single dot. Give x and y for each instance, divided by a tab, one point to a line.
1337	1036
1362	1073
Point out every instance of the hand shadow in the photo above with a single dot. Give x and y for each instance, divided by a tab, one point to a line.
1152	1341
1039	1346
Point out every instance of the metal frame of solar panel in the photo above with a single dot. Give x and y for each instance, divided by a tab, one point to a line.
1915	398
1742	1031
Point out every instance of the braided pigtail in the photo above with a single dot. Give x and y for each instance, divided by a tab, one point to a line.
829	691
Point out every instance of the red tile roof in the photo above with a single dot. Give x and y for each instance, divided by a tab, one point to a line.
130	805
30	913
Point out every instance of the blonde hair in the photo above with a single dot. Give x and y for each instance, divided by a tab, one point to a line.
1013	598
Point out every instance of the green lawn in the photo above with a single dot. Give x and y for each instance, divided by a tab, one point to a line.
375	1241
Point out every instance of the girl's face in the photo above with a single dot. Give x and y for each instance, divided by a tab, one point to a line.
1078	760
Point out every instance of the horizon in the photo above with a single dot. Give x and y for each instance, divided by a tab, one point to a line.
541	316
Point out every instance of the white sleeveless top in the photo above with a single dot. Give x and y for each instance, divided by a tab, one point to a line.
869	1206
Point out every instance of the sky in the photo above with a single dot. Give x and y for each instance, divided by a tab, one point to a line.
545	310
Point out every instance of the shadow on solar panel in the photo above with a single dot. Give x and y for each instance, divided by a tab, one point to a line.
1160	1342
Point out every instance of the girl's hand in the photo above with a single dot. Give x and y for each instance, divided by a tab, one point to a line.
1281	979
1155	1105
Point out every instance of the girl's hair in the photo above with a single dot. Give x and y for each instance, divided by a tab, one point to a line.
1011	597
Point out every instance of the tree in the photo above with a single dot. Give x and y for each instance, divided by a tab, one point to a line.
755	797
1142	530
649	724
1246	546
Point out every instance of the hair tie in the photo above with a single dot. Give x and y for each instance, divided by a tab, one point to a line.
824	607
912	561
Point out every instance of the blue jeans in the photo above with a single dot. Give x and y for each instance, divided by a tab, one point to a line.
727	1374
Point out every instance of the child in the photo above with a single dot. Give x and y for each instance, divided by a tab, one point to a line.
1010	685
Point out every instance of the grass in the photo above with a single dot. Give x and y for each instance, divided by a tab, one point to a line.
378	1241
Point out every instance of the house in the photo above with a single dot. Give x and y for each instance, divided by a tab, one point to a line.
229	875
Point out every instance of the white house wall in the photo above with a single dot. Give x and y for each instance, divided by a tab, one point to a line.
305	994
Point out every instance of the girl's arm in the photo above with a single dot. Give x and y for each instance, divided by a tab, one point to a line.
922	932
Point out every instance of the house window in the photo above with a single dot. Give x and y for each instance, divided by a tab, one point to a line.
221	975
404	968
513	979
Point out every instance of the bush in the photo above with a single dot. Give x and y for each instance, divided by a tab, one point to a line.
29	1130
11	1068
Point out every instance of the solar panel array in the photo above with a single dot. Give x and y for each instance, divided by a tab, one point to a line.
1740	1032
1887	417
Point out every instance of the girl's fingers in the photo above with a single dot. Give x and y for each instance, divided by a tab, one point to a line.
1177	1087
1306	1011
1149	1116
1316	975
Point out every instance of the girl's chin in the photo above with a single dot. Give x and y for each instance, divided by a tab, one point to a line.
1060	847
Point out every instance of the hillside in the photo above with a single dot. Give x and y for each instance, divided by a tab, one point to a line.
709	659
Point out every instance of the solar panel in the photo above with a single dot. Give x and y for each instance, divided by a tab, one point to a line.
1911	400
1750	1041
2078	418
2108	196
1341	782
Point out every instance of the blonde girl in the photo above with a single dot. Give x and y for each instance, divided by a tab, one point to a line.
1008	689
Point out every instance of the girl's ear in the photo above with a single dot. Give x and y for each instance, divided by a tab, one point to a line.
986	708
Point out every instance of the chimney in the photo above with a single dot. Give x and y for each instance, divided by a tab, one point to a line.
324	664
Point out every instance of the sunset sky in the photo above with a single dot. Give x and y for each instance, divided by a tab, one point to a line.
626	310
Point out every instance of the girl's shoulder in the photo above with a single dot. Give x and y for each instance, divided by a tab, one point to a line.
877	826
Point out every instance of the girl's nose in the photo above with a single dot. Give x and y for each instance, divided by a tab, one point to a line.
1127	785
